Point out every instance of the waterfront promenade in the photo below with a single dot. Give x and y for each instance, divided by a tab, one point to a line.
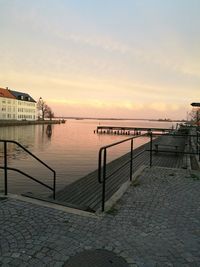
155	223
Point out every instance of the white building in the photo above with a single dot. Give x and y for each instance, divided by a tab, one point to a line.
16	105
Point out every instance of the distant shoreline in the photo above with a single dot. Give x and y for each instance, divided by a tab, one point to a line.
4	123
119	119
58	120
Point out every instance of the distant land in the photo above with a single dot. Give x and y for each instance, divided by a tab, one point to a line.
122	119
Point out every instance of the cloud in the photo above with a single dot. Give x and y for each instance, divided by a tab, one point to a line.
97	104
85	87
161	106
170	57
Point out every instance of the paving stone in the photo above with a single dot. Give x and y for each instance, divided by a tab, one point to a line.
157	223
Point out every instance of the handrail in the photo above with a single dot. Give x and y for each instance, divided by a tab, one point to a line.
6	168
27	175
111	145
103	151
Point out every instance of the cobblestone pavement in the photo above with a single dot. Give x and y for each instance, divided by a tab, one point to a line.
155	223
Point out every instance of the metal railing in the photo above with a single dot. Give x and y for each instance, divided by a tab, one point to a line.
6	168
102	163
103	152
198	143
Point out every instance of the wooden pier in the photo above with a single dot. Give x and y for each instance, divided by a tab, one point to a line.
129	130
86	193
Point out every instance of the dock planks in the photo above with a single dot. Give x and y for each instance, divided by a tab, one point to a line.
86	193
129	130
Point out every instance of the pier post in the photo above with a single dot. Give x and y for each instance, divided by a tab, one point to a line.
54	185
5	169
104	180
151	149
131	160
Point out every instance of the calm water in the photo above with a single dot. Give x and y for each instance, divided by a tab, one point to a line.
71	149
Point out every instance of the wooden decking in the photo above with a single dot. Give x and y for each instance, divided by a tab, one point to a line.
86	193
129	130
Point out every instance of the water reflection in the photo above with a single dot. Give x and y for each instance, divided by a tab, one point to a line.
49	130
44	134
71	149
18	134
30	137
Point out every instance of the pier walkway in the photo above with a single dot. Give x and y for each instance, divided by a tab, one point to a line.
124	130
86	193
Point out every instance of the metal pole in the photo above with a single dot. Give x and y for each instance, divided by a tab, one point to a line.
131	160
5	169
199	150
104	180
54	186
99	165
198	145
150	149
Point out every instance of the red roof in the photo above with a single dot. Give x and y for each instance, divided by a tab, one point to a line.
6	93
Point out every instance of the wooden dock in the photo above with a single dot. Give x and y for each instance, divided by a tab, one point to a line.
86	193
129	130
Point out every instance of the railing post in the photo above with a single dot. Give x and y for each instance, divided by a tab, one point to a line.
54	185
151	149
198	144
131	160
5	169
104	179
99	165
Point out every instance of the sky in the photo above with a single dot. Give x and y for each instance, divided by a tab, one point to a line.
103	58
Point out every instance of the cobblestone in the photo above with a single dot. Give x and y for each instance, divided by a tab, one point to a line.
154	224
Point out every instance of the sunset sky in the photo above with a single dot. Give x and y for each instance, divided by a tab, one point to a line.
103	58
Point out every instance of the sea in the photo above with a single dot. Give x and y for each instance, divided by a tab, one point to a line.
70	148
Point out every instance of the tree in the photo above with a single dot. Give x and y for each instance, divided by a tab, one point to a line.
195	115
44	110
49	113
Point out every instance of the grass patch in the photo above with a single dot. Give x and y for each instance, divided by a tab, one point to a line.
135	183
112	211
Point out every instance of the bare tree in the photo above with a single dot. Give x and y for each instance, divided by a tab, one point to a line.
44	110
49	113
195	115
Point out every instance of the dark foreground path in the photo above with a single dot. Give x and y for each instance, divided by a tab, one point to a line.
86	193
155	224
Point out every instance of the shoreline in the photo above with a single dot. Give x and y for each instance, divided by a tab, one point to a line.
24	123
